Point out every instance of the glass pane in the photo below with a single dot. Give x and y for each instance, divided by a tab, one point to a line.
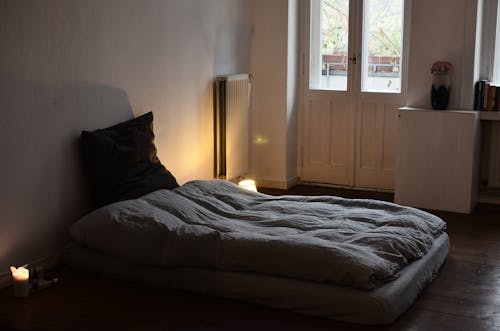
382	46
329	44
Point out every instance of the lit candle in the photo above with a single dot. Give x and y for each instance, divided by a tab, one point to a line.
20	281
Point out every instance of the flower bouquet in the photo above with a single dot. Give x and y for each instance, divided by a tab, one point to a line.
441	67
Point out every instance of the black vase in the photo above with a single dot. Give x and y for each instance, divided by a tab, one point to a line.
440	92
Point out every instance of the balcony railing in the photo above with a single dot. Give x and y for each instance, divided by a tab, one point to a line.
384	66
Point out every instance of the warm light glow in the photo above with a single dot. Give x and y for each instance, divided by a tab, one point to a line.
260	140
20	281
248	184
20	274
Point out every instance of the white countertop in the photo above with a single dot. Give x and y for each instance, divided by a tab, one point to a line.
483	115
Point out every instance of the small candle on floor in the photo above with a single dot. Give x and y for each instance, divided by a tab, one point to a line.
20	281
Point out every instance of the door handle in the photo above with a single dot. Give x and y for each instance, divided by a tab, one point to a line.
353	59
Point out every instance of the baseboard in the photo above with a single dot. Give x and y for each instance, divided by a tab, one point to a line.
277	184
46	262
355	188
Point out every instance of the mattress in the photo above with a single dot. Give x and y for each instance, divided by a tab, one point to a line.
216	224
381	305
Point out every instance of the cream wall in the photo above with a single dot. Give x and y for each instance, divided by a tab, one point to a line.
68	65
274	92
269	70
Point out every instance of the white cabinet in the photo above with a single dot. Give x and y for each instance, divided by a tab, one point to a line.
437	159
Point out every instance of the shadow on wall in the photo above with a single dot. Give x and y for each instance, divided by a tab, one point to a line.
237	56
42	189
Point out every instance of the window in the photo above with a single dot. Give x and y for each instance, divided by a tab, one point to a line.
333	54
486	67
382	46
495	79
329	44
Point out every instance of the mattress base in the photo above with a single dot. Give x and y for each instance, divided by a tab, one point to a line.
379	306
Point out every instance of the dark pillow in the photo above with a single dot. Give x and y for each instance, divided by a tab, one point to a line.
121	162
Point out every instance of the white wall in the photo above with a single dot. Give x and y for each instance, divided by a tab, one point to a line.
292	91
274	94
442	30
68	65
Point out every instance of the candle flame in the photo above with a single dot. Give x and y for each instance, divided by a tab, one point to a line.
20	273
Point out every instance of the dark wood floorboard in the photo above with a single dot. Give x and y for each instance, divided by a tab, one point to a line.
465	295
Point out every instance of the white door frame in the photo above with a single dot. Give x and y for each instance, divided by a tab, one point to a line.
352	171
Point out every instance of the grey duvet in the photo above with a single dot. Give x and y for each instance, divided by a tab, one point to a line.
215	224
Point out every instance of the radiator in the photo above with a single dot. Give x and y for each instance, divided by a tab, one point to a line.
231	126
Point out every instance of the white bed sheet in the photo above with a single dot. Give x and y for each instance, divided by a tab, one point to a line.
379	306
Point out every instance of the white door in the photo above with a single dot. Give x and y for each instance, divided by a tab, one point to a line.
354	64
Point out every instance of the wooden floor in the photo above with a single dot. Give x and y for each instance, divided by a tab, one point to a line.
465	296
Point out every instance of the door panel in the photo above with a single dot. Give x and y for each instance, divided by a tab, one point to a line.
328	148
319	128
376	148
390	132
369	141
340	136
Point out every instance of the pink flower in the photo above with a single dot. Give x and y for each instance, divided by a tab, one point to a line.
441	67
